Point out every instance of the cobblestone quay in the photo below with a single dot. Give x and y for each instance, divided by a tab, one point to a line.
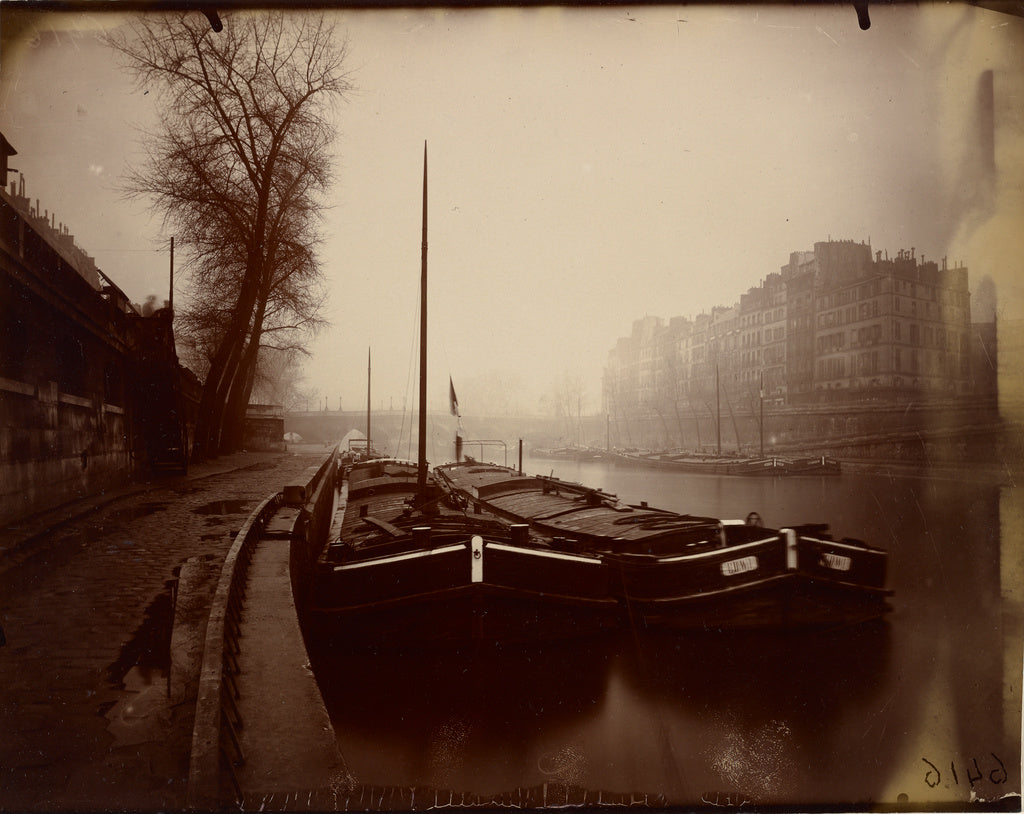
87	719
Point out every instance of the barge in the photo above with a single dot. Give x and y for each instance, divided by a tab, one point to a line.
407	569
678	571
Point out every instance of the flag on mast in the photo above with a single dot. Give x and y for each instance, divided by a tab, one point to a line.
454	402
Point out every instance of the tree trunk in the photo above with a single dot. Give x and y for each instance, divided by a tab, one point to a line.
207	431
237	398
664	427
735	425
679	424
696	422
224	391
233	426
222	372
209	415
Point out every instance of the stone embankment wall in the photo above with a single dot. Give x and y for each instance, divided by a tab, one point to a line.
64	376
56	447
91	392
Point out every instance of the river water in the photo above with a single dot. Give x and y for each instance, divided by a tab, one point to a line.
922	709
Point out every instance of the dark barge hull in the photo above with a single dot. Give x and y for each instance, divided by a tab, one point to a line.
681	572
383	603
446	576
786	601
785	579
470	615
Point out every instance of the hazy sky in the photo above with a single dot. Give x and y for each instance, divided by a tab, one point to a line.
588	167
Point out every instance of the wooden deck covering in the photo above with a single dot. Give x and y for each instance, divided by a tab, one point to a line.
570	508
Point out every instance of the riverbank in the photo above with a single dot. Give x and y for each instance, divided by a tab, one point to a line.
87	597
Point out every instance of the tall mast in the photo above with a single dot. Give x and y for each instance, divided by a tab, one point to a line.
367	402
421	477
718	413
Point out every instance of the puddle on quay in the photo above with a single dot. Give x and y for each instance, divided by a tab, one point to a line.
224	507
138	678
141	714
145	658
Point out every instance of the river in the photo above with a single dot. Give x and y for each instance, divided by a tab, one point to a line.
922	709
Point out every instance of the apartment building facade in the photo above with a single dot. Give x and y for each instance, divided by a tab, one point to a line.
838	324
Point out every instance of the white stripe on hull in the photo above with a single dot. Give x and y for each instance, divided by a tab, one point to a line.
555	555
412	555
718	552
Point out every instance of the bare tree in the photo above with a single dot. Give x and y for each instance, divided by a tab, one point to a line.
239	167
564	400
279	379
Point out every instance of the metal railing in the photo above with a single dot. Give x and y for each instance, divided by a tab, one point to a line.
216	703
216	745
486	442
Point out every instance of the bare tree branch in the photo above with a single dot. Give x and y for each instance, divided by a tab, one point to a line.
239	167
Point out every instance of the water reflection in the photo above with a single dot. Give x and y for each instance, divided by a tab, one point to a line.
483	720
148	652
763	716
837	717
